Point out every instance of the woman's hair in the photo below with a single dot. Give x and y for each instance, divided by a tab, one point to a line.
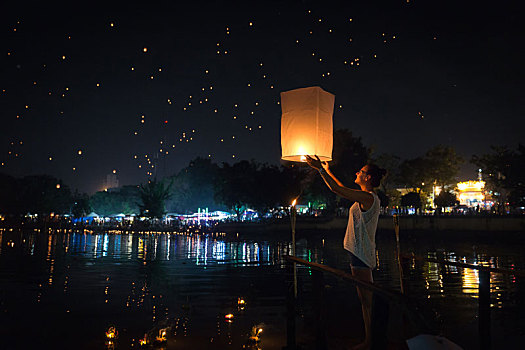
376	173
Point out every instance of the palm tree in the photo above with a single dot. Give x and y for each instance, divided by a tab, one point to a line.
153	196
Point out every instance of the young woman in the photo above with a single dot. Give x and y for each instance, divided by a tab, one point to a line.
360	234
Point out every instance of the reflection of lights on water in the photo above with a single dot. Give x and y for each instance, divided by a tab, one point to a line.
168	244
49	246
155	244
206	251
470	282
116	247
228	317
219	251
96	246
141	248
105	245
129	247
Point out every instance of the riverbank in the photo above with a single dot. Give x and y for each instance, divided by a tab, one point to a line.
514	225
406	223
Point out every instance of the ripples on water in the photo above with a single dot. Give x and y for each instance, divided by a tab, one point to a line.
65	288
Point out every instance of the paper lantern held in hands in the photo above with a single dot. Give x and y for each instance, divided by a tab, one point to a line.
306	124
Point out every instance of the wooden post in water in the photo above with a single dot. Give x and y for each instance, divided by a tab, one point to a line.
293	218
484	309
379	322
399	266
319	309
290	313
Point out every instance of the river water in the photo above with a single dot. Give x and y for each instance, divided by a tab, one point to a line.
64	289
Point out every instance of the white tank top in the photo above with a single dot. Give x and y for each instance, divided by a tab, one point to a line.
360	237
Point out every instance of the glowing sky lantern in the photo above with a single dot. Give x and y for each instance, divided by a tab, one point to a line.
306	124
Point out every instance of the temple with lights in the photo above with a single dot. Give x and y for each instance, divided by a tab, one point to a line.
472	194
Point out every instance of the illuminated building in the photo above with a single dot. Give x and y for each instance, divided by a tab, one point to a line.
471	193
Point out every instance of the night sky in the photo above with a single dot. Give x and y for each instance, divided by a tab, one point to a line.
88	88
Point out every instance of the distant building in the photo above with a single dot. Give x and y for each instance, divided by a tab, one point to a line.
111	182
471	193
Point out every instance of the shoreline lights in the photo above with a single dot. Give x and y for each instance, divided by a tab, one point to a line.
306	124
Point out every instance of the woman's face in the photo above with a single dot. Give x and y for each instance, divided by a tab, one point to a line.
362	176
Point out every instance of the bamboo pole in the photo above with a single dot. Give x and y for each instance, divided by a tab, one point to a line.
398	248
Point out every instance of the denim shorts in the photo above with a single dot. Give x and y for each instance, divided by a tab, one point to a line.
356	262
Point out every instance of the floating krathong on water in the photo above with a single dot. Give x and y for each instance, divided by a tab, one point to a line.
241	303
228	317
111	333
255	334
162	336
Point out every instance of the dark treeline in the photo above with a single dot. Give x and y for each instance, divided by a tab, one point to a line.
263	187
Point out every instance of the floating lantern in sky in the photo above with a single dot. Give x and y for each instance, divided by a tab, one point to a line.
306	124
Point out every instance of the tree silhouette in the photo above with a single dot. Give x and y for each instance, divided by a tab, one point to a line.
81	206
194	187
411	199
442	164
116	201
438	166
153	196
44	194
445	199
504	171
234	185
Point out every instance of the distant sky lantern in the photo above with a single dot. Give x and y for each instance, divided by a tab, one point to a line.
306	124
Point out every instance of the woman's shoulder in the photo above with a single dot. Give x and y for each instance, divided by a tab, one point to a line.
376	198
375	204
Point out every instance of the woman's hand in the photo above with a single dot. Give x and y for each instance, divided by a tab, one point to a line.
316	163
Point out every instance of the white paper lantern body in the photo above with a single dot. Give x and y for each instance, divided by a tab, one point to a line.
306	124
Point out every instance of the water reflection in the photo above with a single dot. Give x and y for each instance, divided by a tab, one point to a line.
216	250
183	281
470	278
203	250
